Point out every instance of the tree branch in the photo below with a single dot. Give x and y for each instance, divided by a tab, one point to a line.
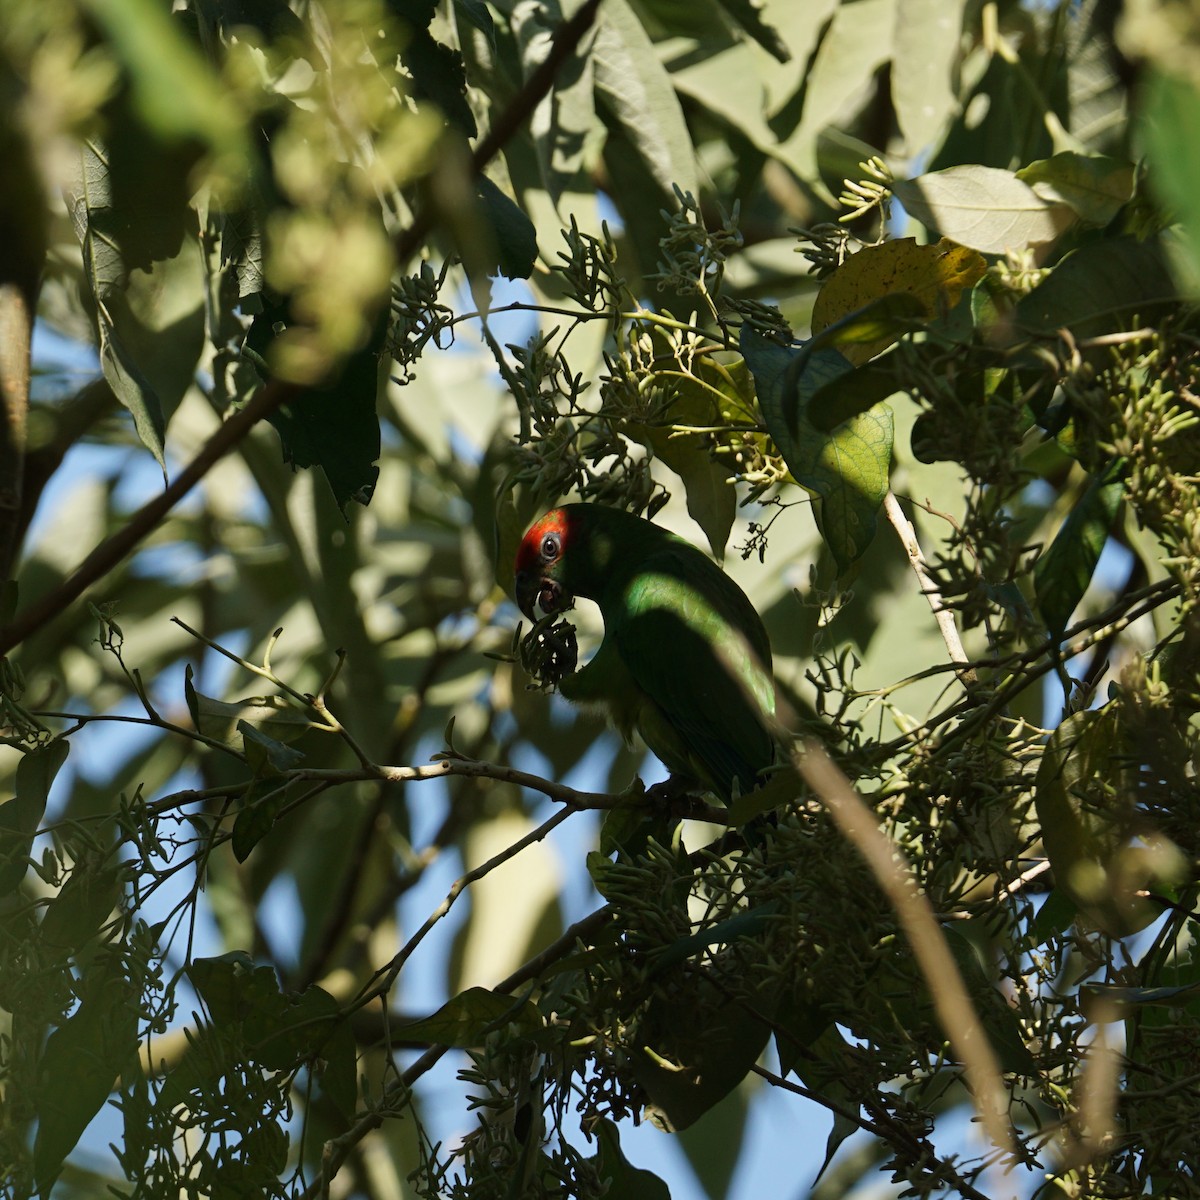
953	1006
16	333
110	552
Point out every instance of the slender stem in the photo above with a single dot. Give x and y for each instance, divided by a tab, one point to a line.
338	1149
385	978
907	533
879	1129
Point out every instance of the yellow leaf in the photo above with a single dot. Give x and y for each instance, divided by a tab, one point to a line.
936	275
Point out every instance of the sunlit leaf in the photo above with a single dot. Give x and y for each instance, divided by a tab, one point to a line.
985	208
1094	186
925	60
847	468
933	279
749	15
707	480
632	84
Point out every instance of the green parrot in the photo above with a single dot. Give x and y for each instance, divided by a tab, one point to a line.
685	659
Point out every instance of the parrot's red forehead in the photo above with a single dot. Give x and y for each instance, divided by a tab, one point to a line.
557	520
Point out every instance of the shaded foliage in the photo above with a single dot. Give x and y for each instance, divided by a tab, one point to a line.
940	423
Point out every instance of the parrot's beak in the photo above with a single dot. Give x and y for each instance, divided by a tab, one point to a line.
534	592
528	585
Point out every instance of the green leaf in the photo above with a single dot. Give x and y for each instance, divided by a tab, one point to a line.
106	236
261	805
466	1019
438	76
81	1062
478	13
1063	572
848	467
985	208
856	40
633	85
707	480
1054	917
21	816
84	904
746	924
177	94
925	61
892	285
1096	187
278	1029
622	1177
190	695
695	1046
1168	113
217	982
748	14
1084	801
334	426
266	756
133	390
159	317
864	332
851	393
1136	997
516	238
626	828
221	719
1103	286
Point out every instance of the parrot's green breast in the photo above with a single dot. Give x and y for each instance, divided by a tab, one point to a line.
686	662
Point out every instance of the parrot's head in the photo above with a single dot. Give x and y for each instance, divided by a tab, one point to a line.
541	565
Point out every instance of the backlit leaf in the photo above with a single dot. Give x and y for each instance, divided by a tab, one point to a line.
935	276
1094	186
985	208
847	468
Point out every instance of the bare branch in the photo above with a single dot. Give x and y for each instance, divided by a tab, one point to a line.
953	1006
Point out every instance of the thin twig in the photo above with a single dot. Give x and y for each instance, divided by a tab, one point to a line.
338	1149
907	533
386	977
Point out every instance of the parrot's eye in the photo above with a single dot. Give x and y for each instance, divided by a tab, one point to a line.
551	547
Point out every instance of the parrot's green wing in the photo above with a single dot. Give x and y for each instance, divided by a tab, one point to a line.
696	648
